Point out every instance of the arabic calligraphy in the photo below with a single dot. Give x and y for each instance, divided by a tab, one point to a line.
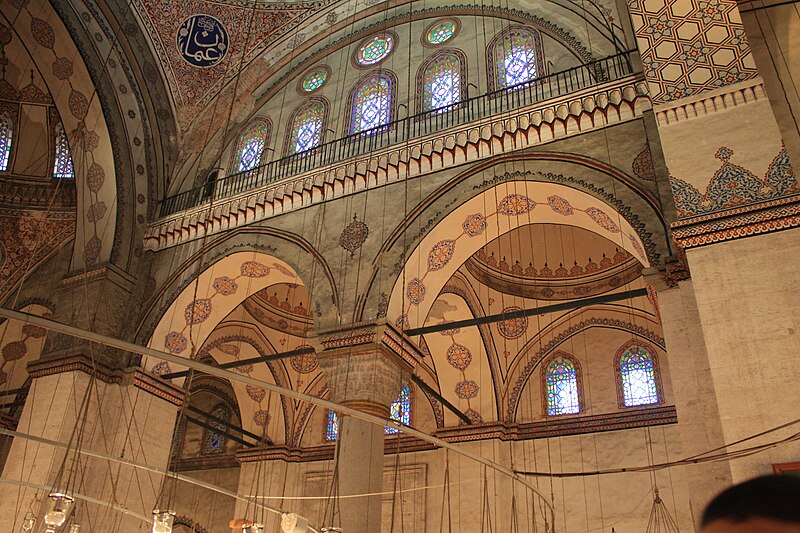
202	40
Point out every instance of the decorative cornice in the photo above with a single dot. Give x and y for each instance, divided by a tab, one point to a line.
551	427
25	192
204	462
710	102
376	332
617	101
75	362
104	271
667	276
158	387
754	219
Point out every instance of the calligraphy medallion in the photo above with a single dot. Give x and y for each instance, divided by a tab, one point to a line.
202	40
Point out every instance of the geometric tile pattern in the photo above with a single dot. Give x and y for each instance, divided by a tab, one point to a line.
688	46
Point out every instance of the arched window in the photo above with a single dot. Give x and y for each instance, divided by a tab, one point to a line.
6	135
400	410
562	385
306	126
441	80
515	56
372	102
62	166
215	439
252	143
637	375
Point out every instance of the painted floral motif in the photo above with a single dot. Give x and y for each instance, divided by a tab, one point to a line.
459	356
636	245
256	394
466	389
175	342
441	254
513	327
515	204
474	225
304	363
31	330
161	368
229	349
197	311
415	291
560	205
261	418
14	351
254	269
225	286
402	322
246	369
474	416
602	219
282	269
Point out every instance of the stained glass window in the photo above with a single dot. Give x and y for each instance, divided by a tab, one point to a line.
62	167
6	133
306	127
400	410
215	439
372	103
514	57
332	428
441	31
375	49
441	81
638	376
561	383
314	79
252	143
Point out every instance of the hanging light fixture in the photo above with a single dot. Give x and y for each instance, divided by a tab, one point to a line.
293	523
162	521
331	530
29	523
252	527
60	506
74	528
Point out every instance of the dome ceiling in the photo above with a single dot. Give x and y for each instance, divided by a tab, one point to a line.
552	262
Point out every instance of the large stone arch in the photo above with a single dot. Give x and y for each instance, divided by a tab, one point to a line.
484	217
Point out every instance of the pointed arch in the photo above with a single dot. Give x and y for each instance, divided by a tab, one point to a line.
306	126
252	143
637	375
562	385
441	80
372	102
515	56
6	139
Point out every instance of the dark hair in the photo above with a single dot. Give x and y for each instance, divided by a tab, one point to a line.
773	497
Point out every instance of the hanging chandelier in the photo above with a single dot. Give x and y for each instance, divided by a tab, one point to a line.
59	508
162	521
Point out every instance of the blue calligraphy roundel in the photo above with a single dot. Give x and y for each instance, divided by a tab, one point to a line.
202	40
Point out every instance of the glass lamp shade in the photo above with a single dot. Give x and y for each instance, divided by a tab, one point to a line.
60	506
162	521
74	528
250	527
29	523
331	530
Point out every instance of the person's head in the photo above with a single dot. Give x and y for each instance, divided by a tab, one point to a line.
768	504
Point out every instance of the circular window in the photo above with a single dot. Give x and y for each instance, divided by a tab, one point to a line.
441	31
314	79
375	49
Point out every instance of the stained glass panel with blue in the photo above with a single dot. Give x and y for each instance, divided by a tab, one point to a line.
62	167
372	103
251	145
561	381
442	82
515	58
637	371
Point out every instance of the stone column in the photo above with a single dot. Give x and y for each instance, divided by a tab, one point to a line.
366	366
695	400
130	414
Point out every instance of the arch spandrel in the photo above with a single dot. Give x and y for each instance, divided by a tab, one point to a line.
485	217
218	290
47	40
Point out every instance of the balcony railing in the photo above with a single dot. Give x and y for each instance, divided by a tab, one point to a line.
487	105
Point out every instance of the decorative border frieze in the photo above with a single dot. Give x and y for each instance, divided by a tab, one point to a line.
156	386
710	102
591	109
74	363
755	219
553	427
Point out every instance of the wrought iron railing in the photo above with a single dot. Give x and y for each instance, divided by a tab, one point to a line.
398	131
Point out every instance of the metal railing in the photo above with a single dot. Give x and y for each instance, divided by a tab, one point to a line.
398	131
